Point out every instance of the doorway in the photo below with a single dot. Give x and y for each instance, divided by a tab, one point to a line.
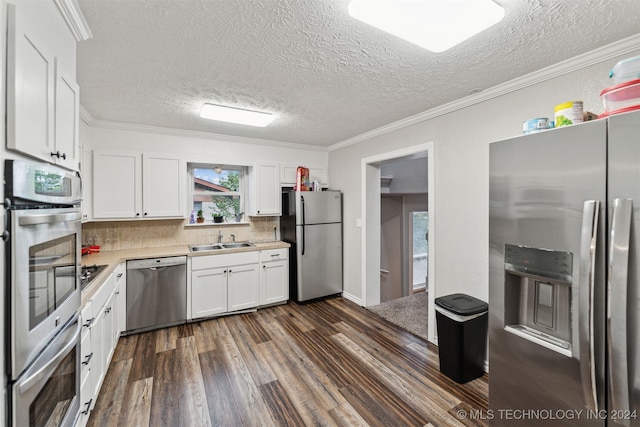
419	268
371	224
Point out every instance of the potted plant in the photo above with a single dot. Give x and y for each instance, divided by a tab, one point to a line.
217	218
237	211
200	217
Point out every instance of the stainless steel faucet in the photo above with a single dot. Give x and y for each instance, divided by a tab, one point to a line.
219	236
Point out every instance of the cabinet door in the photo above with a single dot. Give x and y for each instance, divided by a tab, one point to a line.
208	292
86	172
67	116
120	302
267	194
30	89
274	283
163	183
110	336
98	369
244	287
288	175
86	402
117	188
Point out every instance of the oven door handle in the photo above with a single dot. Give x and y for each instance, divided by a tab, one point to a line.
49	218
50	364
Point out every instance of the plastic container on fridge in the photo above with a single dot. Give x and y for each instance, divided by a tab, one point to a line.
625	70
620	98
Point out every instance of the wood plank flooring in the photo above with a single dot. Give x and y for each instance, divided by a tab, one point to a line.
327	363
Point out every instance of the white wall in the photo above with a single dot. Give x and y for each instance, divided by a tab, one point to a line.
201	148
409	175
461	141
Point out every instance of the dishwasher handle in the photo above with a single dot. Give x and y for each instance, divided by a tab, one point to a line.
155	263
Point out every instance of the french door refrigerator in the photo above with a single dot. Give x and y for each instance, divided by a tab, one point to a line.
312	223
564	335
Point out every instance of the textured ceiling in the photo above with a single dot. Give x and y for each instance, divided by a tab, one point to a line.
326	76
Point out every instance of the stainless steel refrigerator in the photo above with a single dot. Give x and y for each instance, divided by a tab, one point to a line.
564	335
312	223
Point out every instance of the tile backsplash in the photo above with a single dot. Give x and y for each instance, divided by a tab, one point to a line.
117	235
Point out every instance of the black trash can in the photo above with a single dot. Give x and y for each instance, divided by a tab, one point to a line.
462	336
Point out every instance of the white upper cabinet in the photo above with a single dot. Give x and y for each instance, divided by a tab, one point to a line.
130	185
288	175
164	178
265	193
86	172
42	99
67	116
117	185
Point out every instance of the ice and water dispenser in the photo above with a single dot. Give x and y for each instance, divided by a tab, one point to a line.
538	296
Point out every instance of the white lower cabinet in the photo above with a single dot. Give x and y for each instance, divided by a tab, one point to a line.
86	357
101	327
223	283
243	287
274	276
208	292
120	301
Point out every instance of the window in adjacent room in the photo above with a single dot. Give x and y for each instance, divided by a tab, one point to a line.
218	191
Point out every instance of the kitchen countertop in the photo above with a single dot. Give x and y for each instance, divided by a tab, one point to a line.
112	258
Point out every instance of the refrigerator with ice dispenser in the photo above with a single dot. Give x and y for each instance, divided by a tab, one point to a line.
564	303
312	223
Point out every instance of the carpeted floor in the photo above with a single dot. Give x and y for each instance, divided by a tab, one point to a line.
410	313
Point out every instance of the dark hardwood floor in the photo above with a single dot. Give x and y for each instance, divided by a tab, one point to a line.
325	363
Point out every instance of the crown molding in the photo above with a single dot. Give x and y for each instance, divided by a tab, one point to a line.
622	47
75	19
86	117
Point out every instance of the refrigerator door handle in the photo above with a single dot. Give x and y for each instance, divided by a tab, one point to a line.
303	224
617	307
588	240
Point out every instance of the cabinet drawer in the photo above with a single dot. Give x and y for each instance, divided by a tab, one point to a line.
86	315
101	296
274	255
224	260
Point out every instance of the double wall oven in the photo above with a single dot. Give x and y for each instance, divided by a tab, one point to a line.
43	233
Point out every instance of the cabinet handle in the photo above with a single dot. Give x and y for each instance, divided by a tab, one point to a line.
119	275
64	156
117	292
88	323
86	411
88	359
56	154
145	214
264	266
137	213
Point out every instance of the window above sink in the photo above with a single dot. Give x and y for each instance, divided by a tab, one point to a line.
217	192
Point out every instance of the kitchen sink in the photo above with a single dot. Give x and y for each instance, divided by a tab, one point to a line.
217	247
199	248
237	245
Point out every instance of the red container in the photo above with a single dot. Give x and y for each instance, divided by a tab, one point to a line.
621	98
302	179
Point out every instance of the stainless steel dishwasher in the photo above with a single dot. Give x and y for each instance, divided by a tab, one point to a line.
156	293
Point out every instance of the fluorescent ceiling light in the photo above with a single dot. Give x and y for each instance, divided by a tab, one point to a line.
435	25
235	115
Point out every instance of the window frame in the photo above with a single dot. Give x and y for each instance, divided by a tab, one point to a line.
242	190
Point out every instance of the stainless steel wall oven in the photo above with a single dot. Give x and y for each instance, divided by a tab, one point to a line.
43	233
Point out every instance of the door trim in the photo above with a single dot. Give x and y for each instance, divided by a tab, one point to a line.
370	209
